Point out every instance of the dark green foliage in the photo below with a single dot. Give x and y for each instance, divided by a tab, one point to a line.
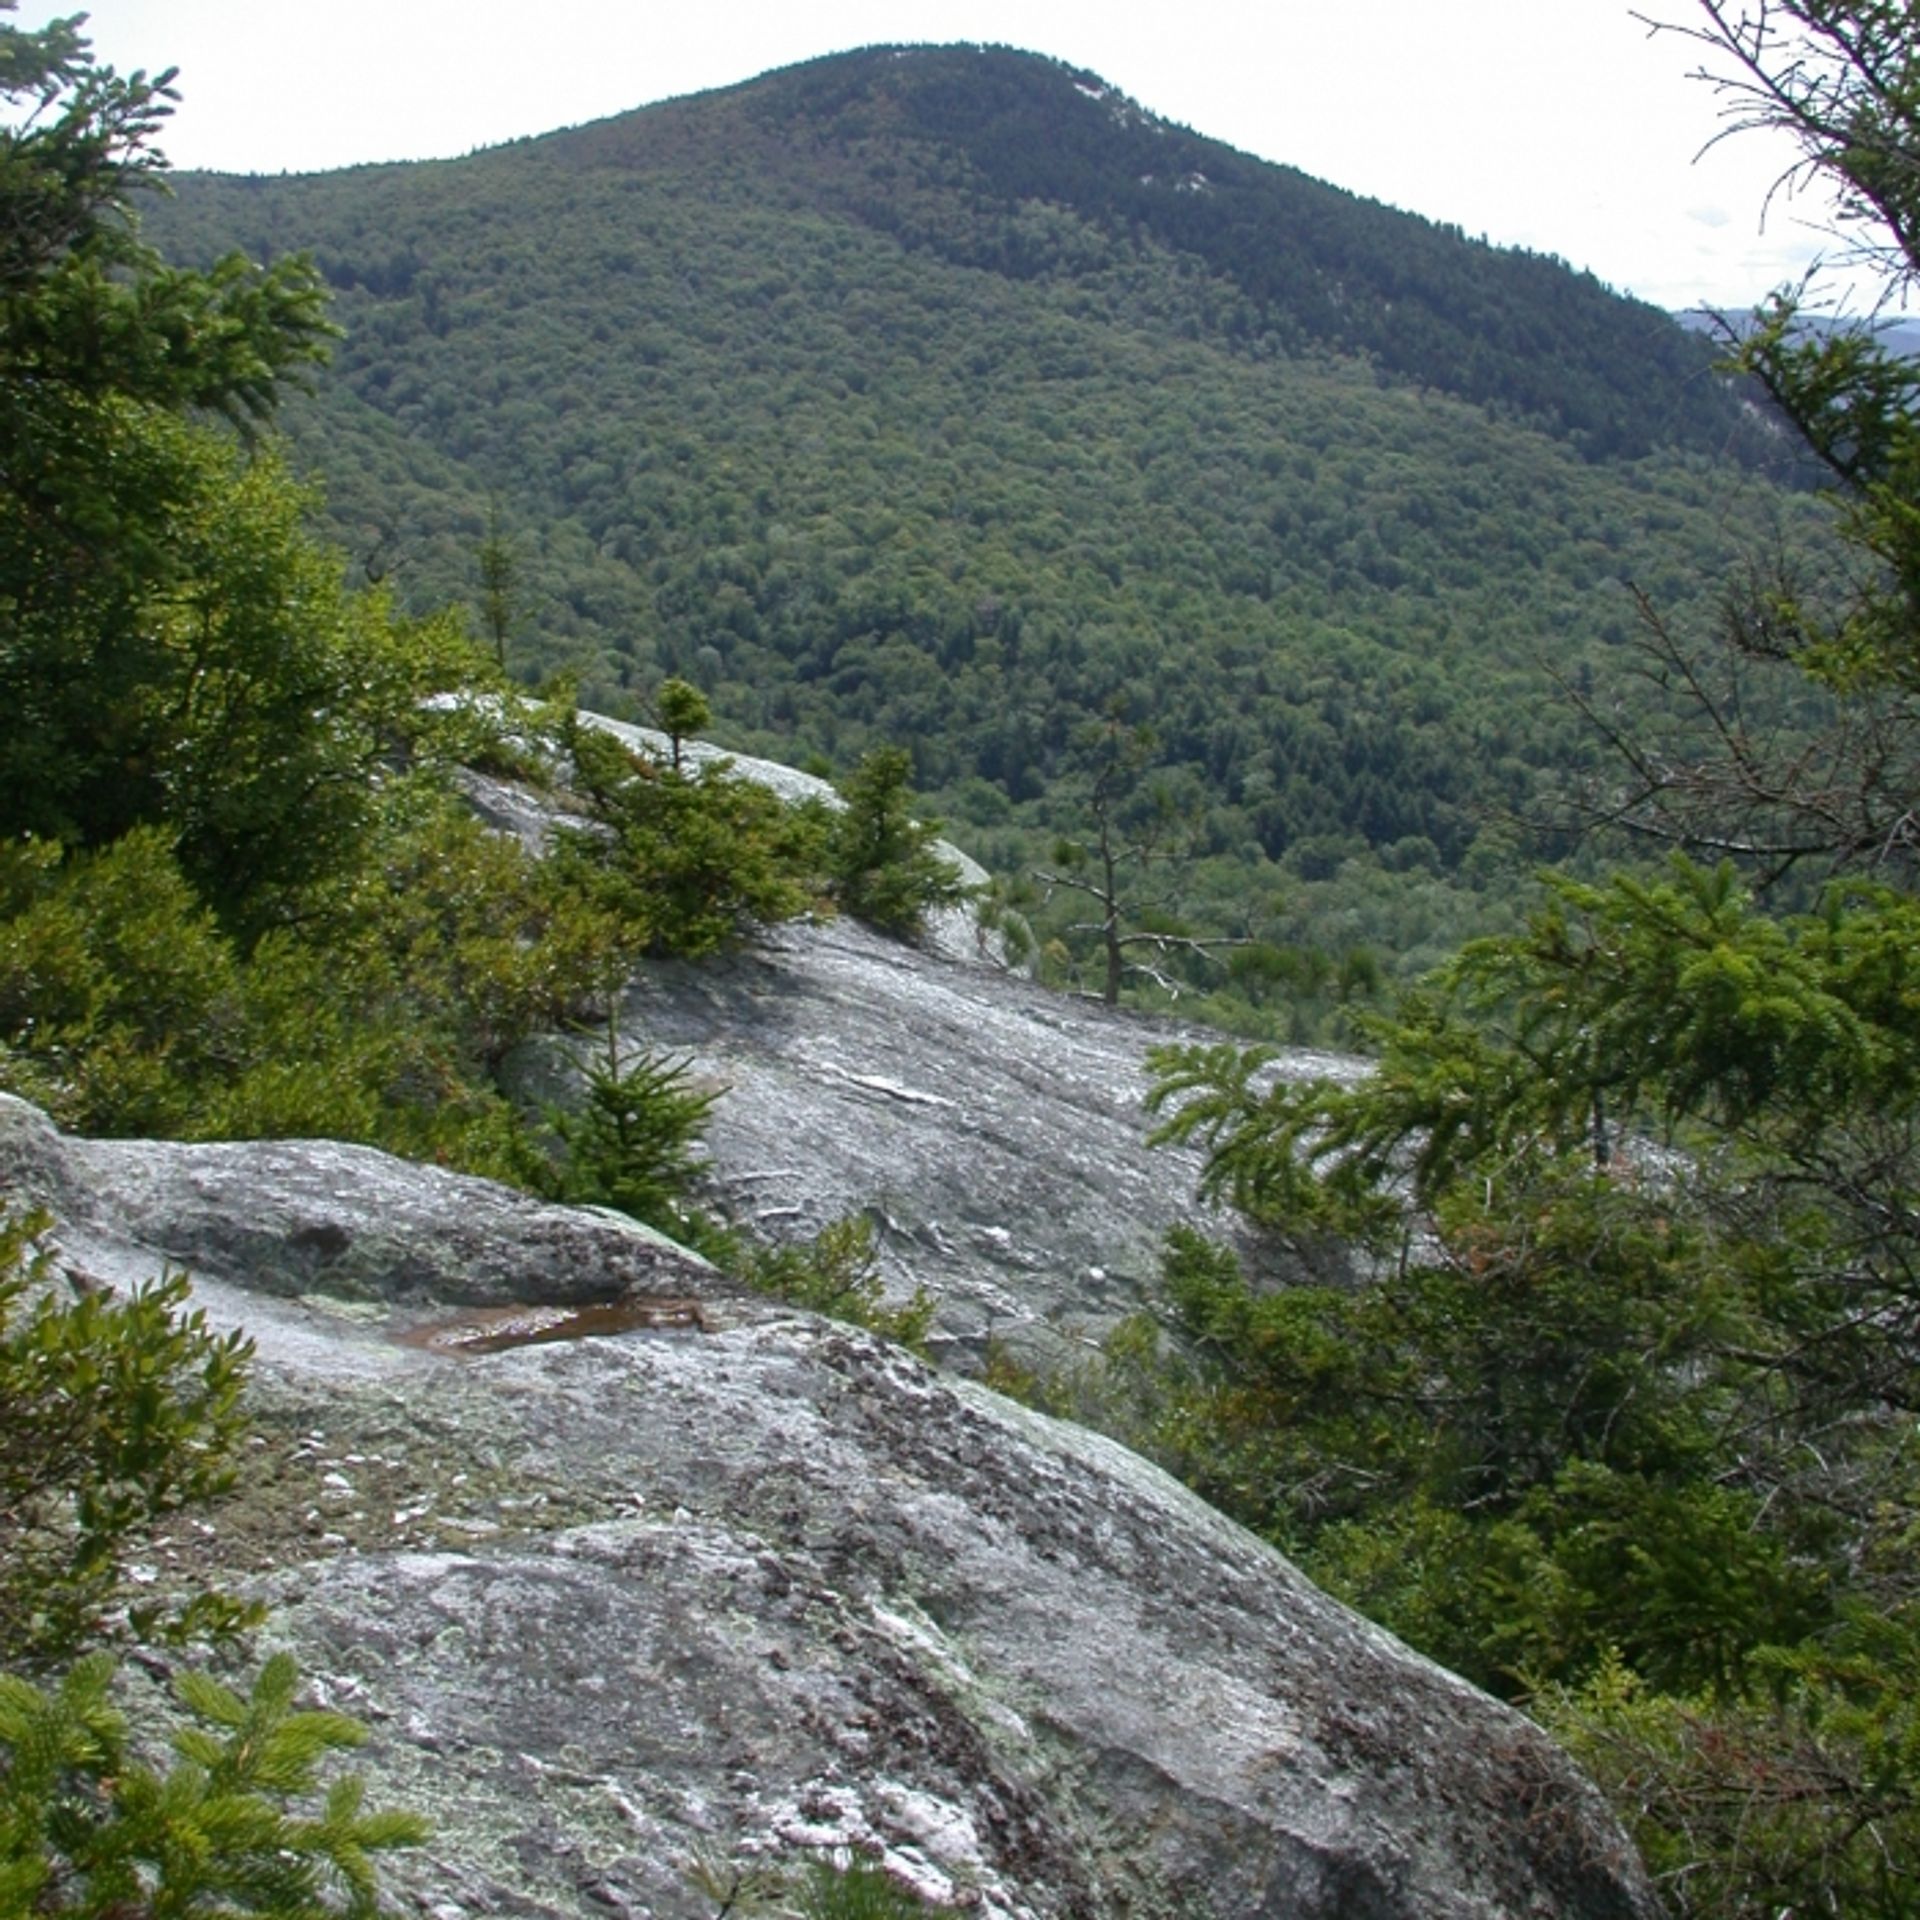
119	995
211	675
499	584
1046	454
125	1009
169	645
631	1142
235	895
689	860
836	1273
242	1822
1058	162
883	863
1511	1455
112	1413
1628	1405
1795	1797
86	311
857	1891
682	712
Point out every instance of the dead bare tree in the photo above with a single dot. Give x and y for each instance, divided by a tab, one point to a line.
1128	865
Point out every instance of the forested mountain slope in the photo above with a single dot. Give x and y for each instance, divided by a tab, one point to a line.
943	395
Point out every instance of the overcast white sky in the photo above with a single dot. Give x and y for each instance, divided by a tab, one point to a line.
1552	124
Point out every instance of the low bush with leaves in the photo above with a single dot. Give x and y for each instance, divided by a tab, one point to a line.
837	1273
126	1009
113	1413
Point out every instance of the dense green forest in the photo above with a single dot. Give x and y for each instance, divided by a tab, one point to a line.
888	400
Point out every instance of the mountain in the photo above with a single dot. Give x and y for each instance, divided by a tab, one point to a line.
943	395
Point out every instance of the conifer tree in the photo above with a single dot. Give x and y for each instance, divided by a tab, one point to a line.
89	1830
883	862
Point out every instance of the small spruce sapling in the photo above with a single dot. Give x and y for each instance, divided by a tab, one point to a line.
883	863
89	1831
499	583
683	713
633	1143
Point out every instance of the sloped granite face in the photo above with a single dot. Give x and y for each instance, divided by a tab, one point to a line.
993	1131
734	1584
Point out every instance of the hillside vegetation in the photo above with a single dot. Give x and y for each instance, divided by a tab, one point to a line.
1621	1423
945	397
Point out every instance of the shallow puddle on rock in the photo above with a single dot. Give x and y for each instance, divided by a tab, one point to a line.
493	1329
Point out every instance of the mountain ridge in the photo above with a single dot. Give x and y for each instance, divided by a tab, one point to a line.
884	400
1113	159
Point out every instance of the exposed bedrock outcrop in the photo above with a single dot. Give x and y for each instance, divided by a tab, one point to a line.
721	1581
993	1131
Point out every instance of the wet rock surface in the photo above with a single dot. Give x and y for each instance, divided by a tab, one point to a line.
732	1583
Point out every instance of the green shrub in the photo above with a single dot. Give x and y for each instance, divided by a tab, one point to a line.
118	992
125	1009
690	862
859	1891
883	862
112	1413
632	1146
632	1143
90	1831
836	1273
1796	1795
818	1890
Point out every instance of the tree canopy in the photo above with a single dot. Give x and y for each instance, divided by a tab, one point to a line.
173	645
884	402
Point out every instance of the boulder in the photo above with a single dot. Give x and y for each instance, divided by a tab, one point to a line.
639	1583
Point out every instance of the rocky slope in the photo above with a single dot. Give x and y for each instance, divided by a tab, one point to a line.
635	1580
993	1131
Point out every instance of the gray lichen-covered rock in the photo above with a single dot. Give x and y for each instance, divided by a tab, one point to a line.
993	1131
719	1583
